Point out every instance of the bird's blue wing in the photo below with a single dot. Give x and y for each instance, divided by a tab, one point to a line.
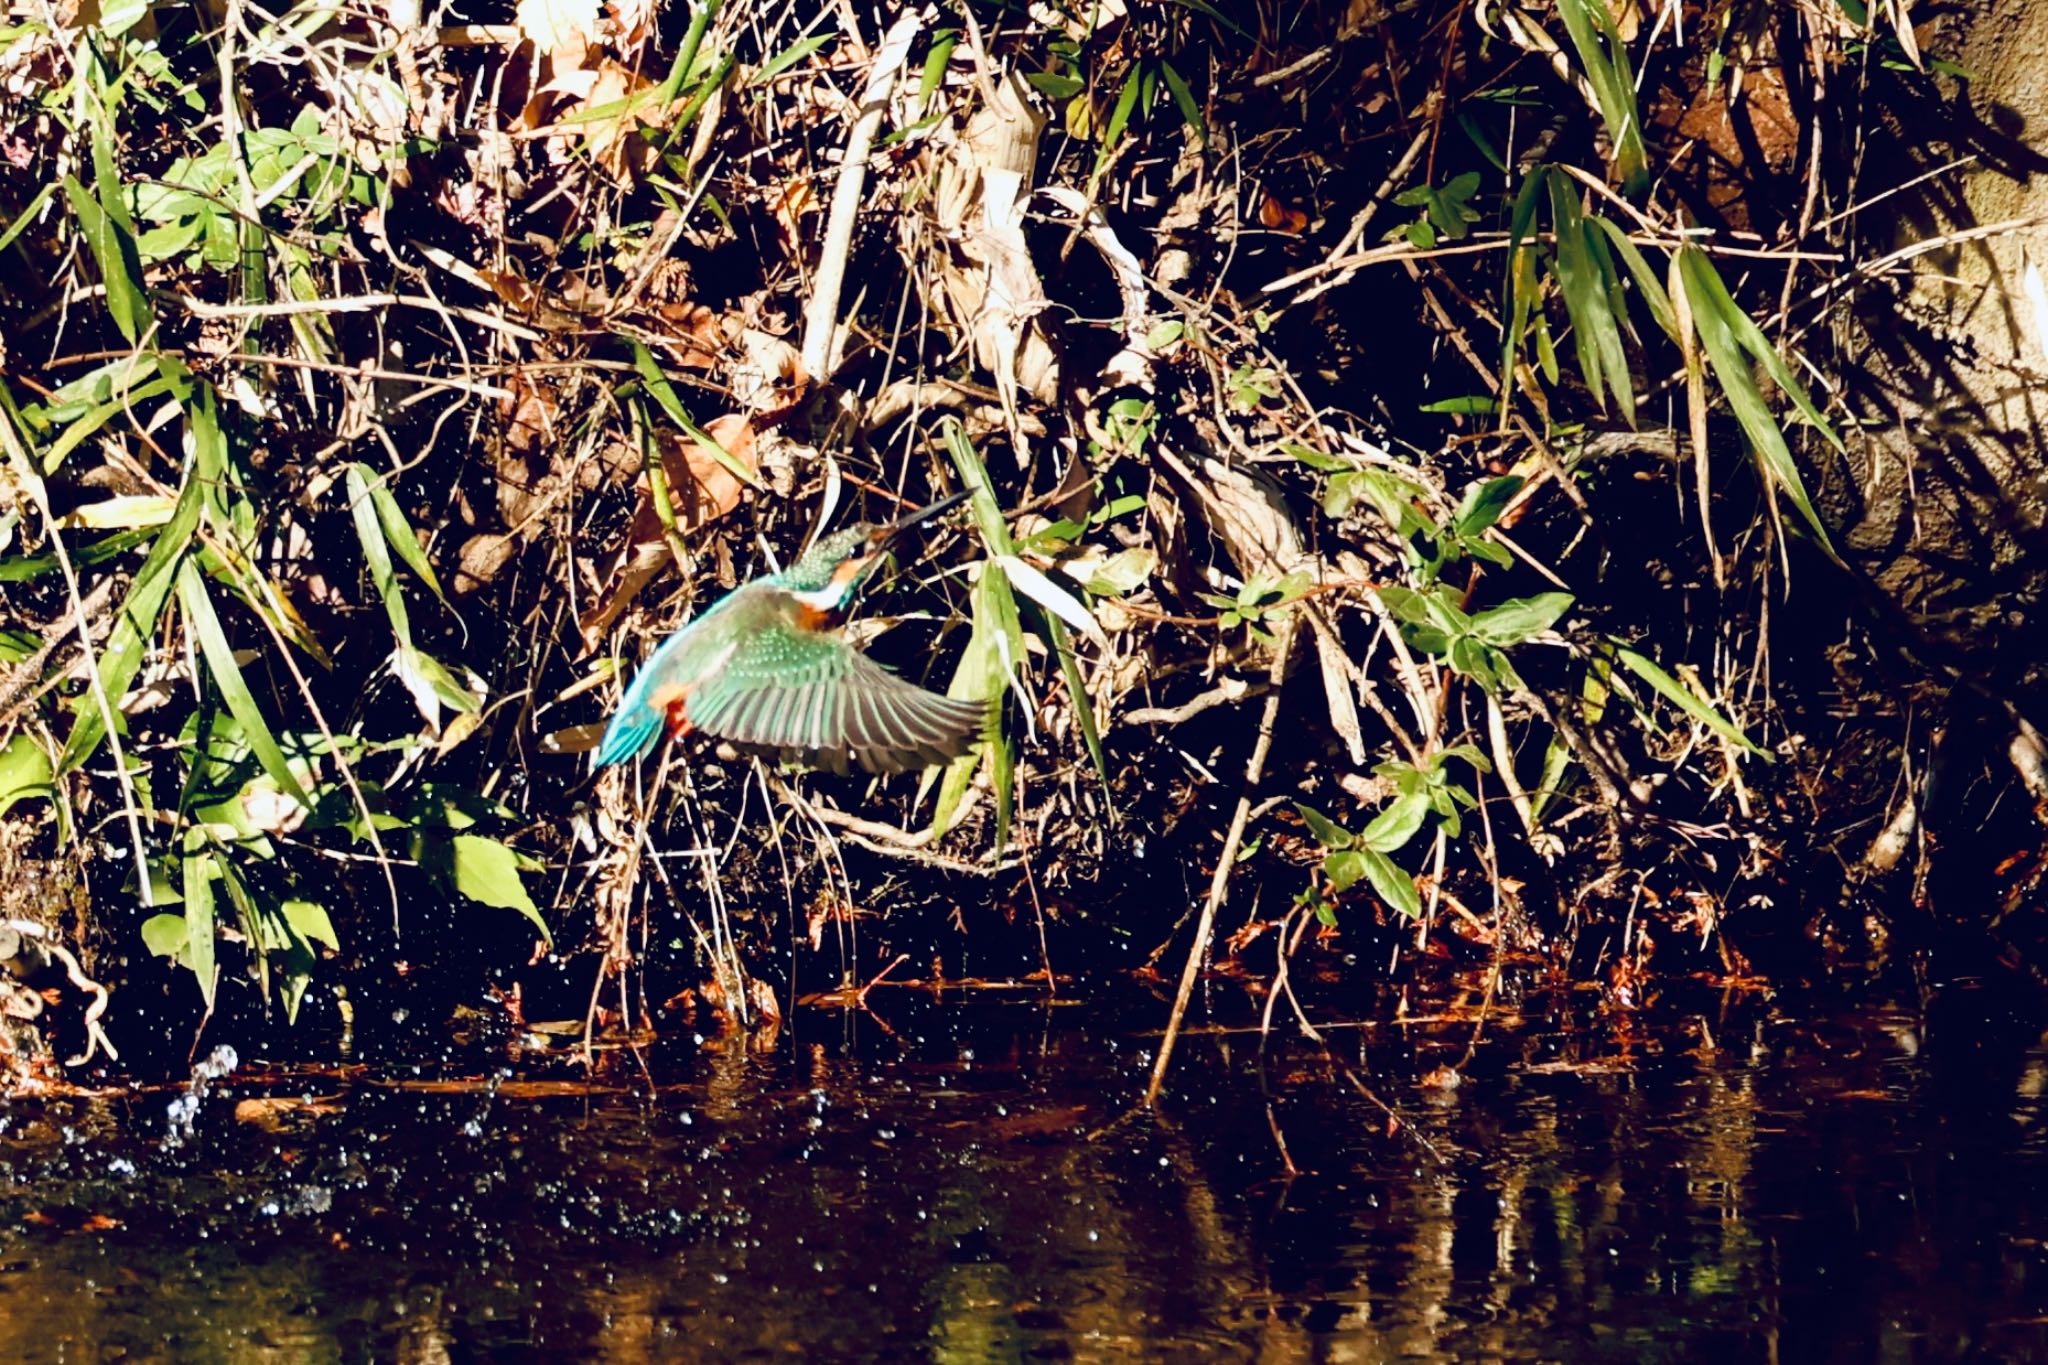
636	726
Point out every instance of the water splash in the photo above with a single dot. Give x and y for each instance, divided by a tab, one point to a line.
184	1110
475	1127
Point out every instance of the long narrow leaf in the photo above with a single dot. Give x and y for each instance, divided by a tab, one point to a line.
122	656
1720	323
398	532
1596	333
234	689
113	251
665	395
1686	700
1604	58
199	918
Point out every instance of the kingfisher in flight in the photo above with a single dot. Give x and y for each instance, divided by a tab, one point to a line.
766	667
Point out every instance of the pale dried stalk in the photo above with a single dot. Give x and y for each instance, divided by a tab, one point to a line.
1205	928
821	318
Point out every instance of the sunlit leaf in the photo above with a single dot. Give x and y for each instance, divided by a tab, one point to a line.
24	772
1052	597
1518	619
1686	700
234	689
1728	335
487	872
1393	827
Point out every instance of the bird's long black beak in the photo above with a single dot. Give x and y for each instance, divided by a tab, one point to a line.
885	534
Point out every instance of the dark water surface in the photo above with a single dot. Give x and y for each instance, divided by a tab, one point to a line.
931	1182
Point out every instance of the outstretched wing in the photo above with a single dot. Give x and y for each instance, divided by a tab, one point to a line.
817	700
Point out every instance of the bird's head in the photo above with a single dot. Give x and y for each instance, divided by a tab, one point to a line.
833	570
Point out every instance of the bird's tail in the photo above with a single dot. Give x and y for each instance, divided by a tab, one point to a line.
633	731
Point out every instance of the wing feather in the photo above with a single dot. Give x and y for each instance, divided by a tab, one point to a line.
814	698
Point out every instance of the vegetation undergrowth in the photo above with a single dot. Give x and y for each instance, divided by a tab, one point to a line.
1390	449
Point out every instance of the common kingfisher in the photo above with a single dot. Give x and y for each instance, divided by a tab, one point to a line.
766	667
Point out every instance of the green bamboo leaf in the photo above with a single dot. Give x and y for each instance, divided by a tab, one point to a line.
1604	58
134	626
933	77
790	56
1126	101
665	395
1184	100
1596	333
120	265
84	426
1648	282
1686	700
197	953
1726	334
234	689
398	532
377	553
1521	270
1084	714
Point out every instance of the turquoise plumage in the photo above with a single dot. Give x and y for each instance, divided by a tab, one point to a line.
766	668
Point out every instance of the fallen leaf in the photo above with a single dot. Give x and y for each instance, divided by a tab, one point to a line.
557	26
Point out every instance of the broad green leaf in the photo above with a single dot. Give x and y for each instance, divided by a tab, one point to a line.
1394	886
1122	572
487	872
24	772
1345	869
165	935
1686	700
1484	505
309	921
1390	495
1393	827
1519	618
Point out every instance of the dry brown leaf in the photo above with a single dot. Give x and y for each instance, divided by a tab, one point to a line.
633	21
701	490
558	26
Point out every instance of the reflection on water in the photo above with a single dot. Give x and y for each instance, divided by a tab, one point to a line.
923	1185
